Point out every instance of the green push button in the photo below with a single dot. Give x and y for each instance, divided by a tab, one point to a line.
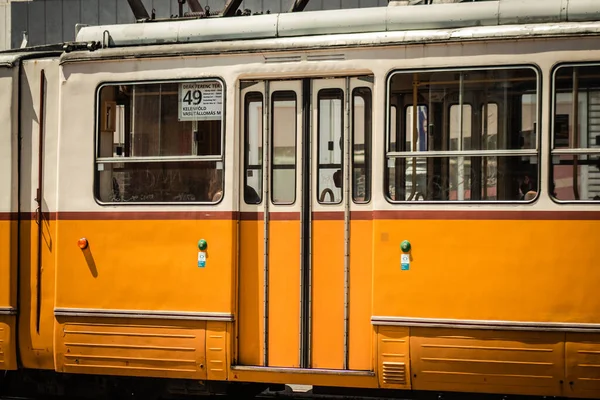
202	245
405	246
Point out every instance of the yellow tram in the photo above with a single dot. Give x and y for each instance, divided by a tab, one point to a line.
390	198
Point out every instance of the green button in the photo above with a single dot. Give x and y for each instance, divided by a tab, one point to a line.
405	246
202	245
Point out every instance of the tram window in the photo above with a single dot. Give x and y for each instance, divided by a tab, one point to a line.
575	171
253	149
160	143
475	136
361	145
330	149
283	166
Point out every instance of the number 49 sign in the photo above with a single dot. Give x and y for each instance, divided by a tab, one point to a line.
200	101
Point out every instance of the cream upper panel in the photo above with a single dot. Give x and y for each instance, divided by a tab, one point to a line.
78	124
78	99
81	80
542	54
8	140
32	86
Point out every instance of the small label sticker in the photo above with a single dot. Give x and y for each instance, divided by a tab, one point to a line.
201	259
405	262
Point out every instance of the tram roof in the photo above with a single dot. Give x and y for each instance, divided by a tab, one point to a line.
307	44
349	21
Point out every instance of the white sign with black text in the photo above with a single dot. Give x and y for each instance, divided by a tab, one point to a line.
200	101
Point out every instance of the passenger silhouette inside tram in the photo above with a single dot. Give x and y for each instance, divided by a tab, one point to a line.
250	195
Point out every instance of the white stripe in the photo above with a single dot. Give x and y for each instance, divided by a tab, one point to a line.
484	324
142	314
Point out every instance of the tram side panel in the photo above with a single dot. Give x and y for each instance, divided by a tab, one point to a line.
487	298
150	292
39	141
8	217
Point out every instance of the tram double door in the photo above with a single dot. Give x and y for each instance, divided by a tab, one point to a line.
304	298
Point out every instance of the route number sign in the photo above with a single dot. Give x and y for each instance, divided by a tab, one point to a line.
200	101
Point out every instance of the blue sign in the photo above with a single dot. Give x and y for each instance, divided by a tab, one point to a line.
201	259
405	262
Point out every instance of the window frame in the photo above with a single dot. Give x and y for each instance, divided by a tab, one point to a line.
114	160
536	152
569	151
343	140
369	154
245	143
272	147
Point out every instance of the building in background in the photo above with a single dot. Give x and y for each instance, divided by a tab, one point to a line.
53	21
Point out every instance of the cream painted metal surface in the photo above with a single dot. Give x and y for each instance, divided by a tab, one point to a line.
376	19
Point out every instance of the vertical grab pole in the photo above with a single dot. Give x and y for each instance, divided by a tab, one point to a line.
575	130
346	173
266	169
415	87
308	89
460	195
305	211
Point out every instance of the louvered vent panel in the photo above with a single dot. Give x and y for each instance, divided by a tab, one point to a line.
394	373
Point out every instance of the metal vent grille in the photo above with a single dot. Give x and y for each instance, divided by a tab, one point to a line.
394	373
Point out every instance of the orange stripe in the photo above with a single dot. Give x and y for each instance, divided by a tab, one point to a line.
8	216
488	215
323	216
149	215
328	216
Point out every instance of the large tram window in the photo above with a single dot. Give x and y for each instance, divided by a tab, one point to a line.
283	143
361	145
330	143
575	169
160	142
473	136
253	139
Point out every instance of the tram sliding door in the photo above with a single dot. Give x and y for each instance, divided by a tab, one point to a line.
297	192
270	203
340	224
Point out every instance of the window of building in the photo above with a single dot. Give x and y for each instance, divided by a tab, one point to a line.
463	135
575	170
160	142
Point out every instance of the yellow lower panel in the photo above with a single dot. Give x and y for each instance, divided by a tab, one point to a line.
36	329
361	277
328	294
583	366
8	360
305	378
393	357
466	269
250	282
131	347
8	291
8	263
487	361
141	264
284	294
217	350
